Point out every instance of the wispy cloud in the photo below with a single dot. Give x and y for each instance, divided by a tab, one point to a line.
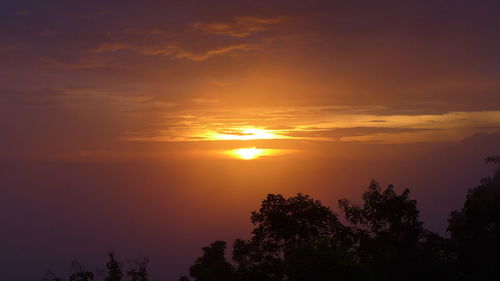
193	43
318	124
238	27
174	50
180	53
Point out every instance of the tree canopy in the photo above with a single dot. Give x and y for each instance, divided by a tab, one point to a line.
476	228
298	238
383	239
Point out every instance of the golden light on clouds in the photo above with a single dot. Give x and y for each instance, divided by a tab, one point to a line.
317	124
246	133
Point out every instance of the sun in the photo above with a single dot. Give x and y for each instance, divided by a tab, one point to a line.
248	153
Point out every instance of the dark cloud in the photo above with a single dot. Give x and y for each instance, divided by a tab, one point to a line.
339	133
350	53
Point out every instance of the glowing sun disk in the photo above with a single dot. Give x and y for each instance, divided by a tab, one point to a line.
248	153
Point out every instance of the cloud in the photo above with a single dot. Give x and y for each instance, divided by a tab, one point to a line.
339	133
174	50
190	44
212	52
318	124
238	27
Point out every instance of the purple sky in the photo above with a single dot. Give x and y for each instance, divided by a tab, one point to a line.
120	120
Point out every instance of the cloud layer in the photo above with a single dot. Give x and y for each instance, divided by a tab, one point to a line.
179	70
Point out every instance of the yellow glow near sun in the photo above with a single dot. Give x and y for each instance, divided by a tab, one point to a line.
247	133
249	153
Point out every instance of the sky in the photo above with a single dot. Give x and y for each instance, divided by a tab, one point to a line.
155	127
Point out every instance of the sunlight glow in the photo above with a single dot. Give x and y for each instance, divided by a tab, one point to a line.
249	153
247	133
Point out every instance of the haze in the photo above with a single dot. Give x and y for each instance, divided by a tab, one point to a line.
155	127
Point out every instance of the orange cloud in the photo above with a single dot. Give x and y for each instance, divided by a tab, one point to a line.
316	124
173	50
213	52
238	27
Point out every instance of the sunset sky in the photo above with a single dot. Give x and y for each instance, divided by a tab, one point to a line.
154	127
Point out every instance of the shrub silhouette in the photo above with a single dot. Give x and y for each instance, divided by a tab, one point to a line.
114	269
79	273
298	238
383	239
389	237
281	225
140	273
476	228
212	266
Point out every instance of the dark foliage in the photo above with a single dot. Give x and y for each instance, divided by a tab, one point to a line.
323	260
281	225
299	239
212	266
140	273
80	274
389	238
383	239
114	269
476	229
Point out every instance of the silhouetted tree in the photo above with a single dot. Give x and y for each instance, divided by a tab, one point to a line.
476	228
82	276
299	239
284	223
114	269
384	212
212	266
323	260
79	273
389	236
140	273
281	225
